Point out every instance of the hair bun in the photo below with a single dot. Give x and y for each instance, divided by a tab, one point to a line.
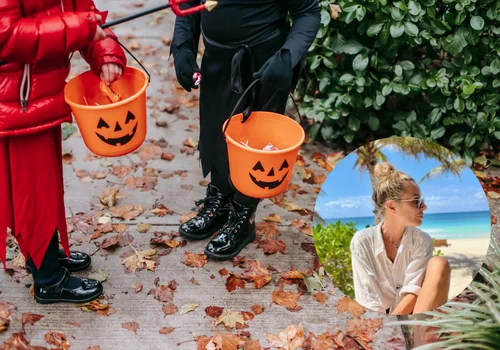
383	170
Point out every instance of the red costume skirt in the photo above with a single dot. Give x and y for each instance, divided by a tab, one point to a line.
32	193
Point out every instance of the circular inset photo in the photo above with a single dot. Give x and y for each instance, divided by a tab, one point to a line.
402	226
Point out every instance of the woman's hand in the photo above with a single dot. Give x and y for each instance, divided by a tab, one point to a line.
111	72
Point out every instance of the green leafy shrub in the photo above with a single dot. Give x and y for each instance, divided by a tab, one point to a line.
422	68
332	245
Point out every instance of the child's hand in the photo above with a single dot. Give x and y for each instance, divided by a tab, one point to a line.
111	72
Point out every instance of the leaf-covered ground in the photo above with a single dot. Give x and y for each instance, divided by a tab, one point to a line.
161	292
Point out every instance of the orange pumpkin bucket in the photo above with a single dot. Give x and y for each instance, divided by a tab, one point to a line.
255	172
110	129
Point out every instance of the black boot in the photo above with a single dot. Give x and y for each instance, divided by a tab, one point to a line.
77	261
68	289
210	217
238	231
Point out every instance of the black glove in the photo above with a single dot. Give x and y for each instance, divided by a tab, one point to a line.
276	74
185	66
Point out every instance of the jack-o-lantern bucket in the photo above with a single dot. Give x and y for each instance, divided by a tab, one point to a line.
110	129
255	172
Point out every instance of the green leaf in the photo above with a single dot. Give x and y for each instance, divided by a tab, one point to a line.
397	14
373	123
459	104
346	78
468	89
398	70
477	22
411	29
414	8
315	62
360	63
470	140
397	29
329	63
386	90
495	66
68	129
374	29
350	8
496	83
353	123
437	133
428	2
457	139
400	125
456	44
435	115
380	99
407	65
350	47
384	35
348	137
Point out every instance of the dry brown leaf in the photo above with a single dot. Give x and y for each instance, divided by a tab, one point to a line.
29	318
137	287
291	206
169	308
195	260
190	143
120	228
131	326
143	228
268	229
110	242
168	156
291	338
349	305
273	218
395	344
18	342
188	308
7	309
58	339
257	274
292	274
363	330
166	330
230	319
320	297
149	152
286	299
233	282
171	243
214	311
163	293
4	323
140	260
272	246
188	216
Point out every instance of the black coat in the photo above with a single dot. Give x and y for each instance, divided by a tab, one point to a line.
239	37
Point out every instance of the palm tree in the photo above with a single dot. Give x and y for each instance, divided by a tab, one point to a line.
371	154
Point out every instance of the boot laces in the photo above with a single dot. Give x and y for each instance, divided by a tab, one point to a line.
210	204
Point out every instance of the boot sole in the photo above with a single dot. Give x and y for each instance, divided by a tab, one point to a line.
215	256
199	237
53	301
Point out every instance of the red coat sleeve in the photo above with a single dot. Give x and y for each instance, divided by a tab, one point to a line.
104	51
27	40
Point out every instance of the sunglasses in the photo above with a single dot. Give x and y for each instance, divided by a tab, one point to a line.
419	202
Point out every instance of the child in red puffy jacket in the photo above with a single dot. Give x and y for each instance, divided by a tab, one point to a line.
36	40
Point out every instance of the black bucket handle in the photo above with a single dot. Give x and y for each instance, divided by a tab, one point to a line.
131	54
255	81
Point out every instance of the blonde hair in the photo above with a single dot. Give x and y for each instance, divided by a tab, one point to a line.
390	185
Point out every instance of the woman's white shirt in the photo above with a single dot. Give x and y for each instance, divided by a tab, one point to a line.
380	284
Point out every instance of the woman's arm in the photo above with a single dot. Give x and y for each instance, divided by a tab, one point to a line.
28	40
187	30
306	17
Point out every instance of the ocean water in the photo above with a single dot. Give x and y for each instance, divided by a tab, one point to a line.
475	224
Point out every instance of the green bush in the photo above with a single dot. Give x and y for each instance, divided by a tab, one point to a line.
422	68
332	245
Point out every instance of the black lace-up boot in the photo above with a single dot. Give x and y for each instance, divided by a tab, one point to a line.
210	217
238	231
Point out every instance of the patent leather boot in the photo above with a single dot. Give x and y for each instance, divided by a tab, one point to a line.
238	231
210	217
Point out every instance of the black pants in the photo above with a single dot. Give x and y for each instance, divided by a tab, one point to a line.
50	271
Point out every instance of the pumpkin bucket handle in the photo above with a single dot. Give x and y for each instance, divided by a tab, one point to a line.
249	111
131	54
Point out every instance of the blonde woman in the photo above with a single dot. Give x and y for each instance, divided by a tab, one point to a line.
393	265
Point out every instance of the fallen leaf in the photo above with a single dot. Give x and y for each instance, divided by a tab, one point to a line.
188	216
131	326
272	246
194	282
493	195
171	243
320	297
230	319
239	261
166	330
143	228
286	299
214	311
58	339
168	156
187	187
6	309
363	330
290	206
163	293
349	305
395	344
149	152
292	275
268	229
110	242
137	287
188	308
291	338
195	260
140	260
99	275
18	342
220	342
233	282
257	309
257	274
94	347
273	218
169	308
190	143
4	323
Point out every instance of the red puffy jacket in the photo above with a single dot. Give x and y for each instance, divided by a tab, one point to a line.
36	39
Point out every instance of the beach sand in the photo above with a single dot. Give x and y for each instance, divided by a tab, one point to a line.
465	257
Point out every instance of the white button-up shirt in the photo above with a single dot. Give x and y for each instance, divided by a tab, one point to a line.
380	284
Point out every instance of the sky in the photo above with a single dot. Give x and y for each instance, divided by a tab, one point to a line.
346	193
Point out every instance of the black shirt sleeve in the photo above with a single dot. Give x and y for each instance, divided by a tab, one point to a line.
306	17
187	30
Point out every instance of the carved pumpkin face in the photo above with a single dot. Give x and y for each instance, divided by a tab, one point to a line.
117	134
269	178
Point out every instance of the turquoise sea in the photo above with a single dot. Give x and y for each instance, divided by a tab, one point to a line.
443	225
